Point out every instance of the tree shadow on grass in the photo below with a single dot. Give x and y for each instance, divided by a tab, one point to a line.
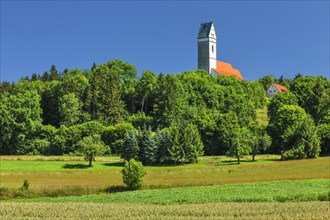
116	189
121	164
76	166
114	164
234	162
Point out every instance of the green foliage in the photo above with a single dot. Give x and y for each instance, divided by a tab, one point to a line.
240	144
323	131
267	81
26	185
133	173
131	147
127	75
110	100
50	103
140	120
259	140
146	90
75	82
164	145
186	143
275	129
70	109
92	146
170	100
313	94
19	121
148	147
110	108
304	142
114	136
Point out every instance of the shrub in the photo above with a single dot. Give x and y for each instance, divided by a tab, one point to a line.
25	185
133	172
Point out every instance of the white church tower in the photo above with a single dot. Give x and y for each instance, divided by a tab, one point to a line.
207	47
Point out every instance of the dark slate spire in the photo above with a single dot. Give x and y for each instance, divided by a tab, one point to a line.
204	30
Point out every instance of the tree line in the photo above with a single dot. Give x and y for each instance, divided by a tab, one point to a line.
161	118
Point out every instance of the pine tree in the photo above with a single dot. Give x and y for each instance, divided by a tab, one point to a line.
148	147
176	150
54	73
131	147
192	143
109	103
164	144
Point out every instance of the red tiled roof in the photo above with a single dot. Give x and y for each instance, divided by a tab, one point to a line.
227	70
280	88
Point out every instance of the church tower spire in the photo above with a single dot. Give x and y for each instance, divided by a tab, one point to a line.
207	47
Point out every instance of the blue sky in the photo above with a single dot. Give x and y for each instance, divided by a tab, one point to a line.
256	37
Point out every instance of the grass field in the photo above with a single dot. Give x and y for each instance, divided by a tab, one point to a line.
299	190
209	171
227	211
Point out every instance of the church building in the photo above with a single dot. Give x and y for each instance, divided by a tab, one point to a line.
207	53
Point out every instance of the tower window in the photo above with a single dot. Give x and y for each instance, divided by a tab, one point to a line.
212	48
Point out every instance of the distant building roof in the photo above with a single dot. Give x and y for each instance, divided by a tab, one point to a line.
280	88
226	69
204	30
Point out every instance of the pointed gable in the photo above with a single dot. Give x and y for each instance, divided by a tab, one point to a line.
204	30
226	69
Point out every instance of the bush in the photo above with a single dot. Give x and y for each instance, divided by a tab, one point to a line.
25	185
132	174
295	153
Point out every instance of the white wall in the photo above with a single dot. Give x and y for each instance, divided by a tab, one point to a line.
272	90
212	49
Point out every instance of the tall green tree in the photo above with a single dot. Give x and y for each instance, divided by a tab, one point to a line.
260	141
50	103
54	75
240	144
170	101
109	104
146	89
70	109
92	146
186	143
127	76
164	145
274	129
131	147
147	146
20	121
303	142
75	82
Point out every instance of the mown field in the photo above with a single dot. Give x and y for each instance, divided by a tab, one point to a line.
214	188
56	174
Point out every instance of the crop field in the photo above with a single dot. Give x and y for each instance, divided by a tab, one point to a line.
230	210
214	188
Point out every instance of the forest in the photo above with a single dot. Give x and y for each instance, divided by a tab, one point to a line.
165	118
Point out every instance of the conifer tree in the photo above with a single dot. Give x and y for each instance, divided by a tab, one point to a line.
109	103
148	147
54	73
164	144
131	147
